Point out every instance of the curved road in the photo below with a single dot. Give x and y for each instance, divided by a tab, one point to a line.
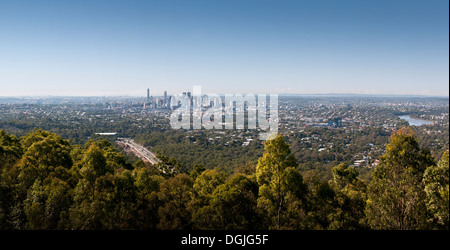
139	150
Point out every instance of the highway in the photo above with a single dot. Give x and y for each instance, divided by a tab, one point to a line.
140	151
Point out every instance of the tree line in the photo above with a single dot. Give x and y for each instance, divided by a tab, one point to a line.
48	183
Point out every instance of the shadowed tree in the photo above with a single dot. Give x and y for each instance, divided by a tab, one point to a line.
197	171
10	154
117	200
147	188
281	189
233	206
436	187
350	197
94	166
86	211
44	152
343	175
204	186
47	204
10	151
175	195
396	197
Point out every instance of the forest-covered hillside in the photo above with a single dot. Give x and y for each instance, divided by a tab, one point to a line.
48	183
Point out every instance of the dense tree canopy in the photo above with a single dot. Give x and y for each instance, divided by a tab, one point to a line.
436	187
48	183
282	192
396	194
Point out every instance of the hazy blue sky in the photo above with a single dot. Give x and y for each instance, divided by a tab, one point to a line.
226	46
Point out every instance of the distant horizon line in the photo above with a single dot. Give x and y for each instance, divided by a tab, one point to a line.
280	94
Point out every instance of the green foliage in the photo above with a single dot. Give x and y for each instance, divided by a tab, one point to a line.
281	189
349	199
403	151
436	187
198	170
94	164
10	151
47	183
234	204
175	195
192	149
168	166
47	204
205	184
225	203
44	155
323	203
342	175
147	187
396	194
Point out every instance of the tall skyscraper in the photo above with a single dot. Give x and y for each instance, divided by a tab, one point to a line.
165	98
148	95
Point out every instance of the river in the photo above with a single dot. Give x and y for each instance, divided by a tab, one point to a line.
414	121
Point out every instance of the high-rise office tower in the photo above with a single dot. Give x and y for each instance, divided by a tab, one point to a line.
148	95
165	97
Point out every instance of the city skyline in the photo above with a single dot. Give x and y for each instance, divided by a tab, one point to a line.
118	48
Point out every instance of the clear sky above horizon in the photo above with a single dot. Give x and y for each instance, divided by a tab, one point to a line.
112	47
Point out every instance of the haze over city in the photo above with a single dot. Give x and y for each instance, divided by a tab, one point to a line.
115	48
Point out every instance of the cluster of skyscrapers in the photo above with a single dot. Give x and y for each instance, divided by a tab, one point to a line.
161	102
